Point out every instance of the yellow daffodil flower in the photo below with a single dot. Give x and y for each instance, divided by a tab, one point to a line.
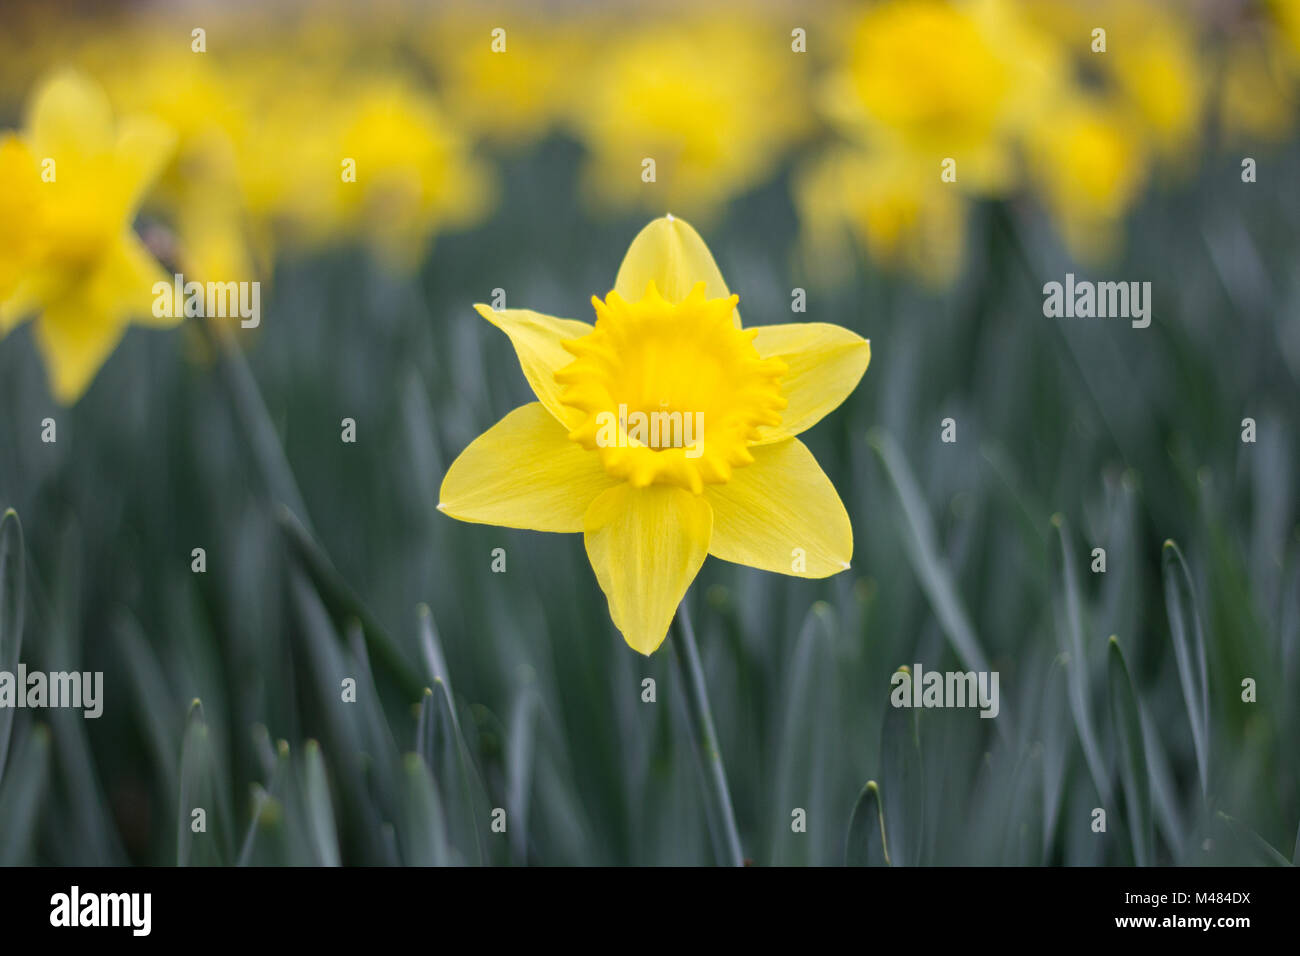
1257	101
936	80
414	174
713	102
509	87
896	210
1090	165
733	481
94	274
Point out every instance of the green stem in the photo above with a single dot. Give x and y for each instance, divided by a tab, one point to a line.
686	657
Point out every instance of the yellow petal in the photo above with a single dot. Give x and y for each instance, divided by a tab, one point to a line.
672	255
524	472
646	545
124	283
70	116
75	339
826	363
536	338
143	147
781	514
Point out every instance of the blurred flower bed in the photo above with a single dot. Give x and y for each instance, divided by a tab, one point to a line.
255	109
912	170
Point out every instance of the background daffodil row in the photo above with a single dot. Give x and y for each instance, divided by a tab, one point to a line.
247	516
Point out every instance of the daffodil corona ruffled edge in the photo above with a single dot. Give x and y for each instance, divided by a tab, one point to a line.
764	502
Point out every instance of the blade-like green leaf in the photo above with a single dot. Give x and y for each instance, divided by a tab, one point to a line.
1134	779
12	593
1077	661
806	736
866	844
195	785
423	838
902	782
343	604
22	796
463	797
922	548
320	813
519	767
1189	652
1263	851
267	808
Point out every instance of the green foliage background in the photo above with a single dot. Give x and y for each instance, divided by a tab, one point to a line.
1130	436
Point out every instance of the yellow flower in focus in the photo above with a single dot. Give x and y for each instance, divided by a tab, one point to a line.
713	104
900	214
1090	165
94	274
664	433
937	80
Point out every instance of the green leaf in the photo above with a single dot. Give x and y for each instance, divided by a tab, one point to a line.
424	835
463	796
922	548
343	604
23	797
12	594
268	811
1076	664
152	695
866	844
519	769
902	781
1133	775
320	814
265	449
195	786
1189	652
807	732
1261	849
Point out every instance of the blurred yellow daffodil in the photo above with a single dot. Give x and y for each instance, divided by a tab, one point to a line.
721	473
93	274
506	84
897	211
693	112
1090	164
936	81
21	227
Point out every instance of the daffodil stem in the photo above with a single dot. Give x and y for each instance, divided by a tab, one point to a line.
686	657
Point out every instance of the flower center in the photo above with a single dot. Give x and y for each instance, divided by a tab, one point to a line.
672	393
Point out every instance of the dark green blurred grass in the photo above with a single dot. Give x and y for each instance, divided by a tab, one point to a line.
1132	436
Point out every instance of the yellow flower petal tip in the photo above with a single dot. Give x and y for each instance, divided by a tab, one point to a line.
665	432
